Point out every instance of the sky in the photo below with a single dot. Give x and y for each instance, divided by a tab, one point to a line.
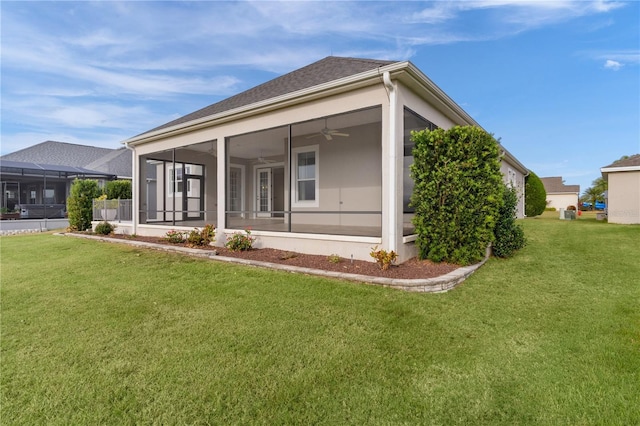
557	82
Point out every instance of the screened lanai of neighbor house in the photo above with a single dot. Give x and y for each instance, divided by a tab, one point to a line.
315	161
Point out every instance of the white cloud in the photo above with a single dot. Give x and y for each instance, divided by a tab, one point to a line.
612	65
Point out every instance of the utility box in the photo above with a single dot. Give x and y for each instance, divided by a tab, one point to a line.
569	214
562	214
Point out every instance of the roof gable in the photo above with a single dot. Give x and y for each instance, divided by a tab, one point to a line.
323	71
117	162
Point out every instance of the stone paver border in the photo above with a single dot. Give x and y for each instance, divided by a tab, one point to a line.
439	284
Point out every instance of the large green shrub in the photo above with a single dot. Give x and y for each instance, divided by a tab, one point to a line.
535	196
80	203
118	189
509	236
457	193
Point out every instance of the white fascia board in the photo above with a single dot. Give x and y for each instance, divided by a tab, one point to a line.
321	90
440	95
620	169
514	161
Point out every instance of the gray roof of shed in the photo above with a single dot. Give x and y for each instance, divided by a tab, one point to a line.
323	71
555	185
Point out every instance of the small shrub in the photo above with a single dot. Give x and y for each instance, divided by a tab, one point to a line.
334	258
383	258
573	208
201	237
104	228
174	237
550	209
509	236
240	242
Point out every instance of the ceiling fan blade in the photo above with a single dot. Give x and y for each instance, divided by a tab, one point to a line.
339	134
328	136
313	136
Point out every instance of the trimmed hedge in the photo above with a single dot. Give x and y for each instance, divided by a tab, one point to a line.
80	203
118	189
457	193
535	196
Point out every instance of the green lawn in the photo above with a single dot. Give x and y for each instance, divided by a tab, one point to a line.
98	333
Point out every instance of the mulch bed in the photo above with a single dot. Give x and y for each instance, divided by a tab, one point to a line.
411	269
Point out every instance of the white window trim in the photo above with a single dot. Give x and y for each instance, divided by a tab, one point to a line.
294	176
186	169
242	182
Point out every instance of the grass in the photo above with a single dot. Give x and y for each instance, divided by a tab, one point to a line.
97	333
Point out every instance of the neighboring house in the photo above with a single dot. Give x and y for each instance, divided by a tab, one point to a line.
559	195
315	161
37	179
623	193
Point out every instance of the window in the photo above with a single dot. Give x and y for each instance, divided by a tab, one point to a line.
305	176
49	196
176	181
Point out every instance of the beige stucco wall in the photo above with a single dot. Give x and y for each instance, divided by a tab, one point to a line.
624	197
350	177
562	201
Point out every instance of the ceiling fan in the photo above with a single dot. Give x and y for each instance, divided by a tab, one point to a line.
262	160
328	133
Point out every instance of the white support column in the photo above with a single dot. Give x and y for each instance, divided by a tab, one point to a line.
390	238
221	192
135	192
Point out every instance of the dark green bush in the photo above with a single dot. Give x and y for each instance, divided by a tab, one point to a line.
457	192
535	196
104	228
80	203
509	236
118	189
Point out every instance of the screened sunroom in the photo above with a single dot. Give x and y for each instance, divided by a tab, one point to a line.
320	176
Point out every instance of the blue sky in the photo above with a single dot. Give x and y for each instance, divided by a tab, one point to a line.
557	81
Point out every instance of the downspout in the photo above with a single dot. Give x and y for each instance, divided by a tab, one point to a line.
393	181
134	188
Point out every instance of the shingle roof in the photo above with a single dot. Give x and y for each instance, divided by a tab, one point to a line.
323	71
632	161
58	154
117	162
554	185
